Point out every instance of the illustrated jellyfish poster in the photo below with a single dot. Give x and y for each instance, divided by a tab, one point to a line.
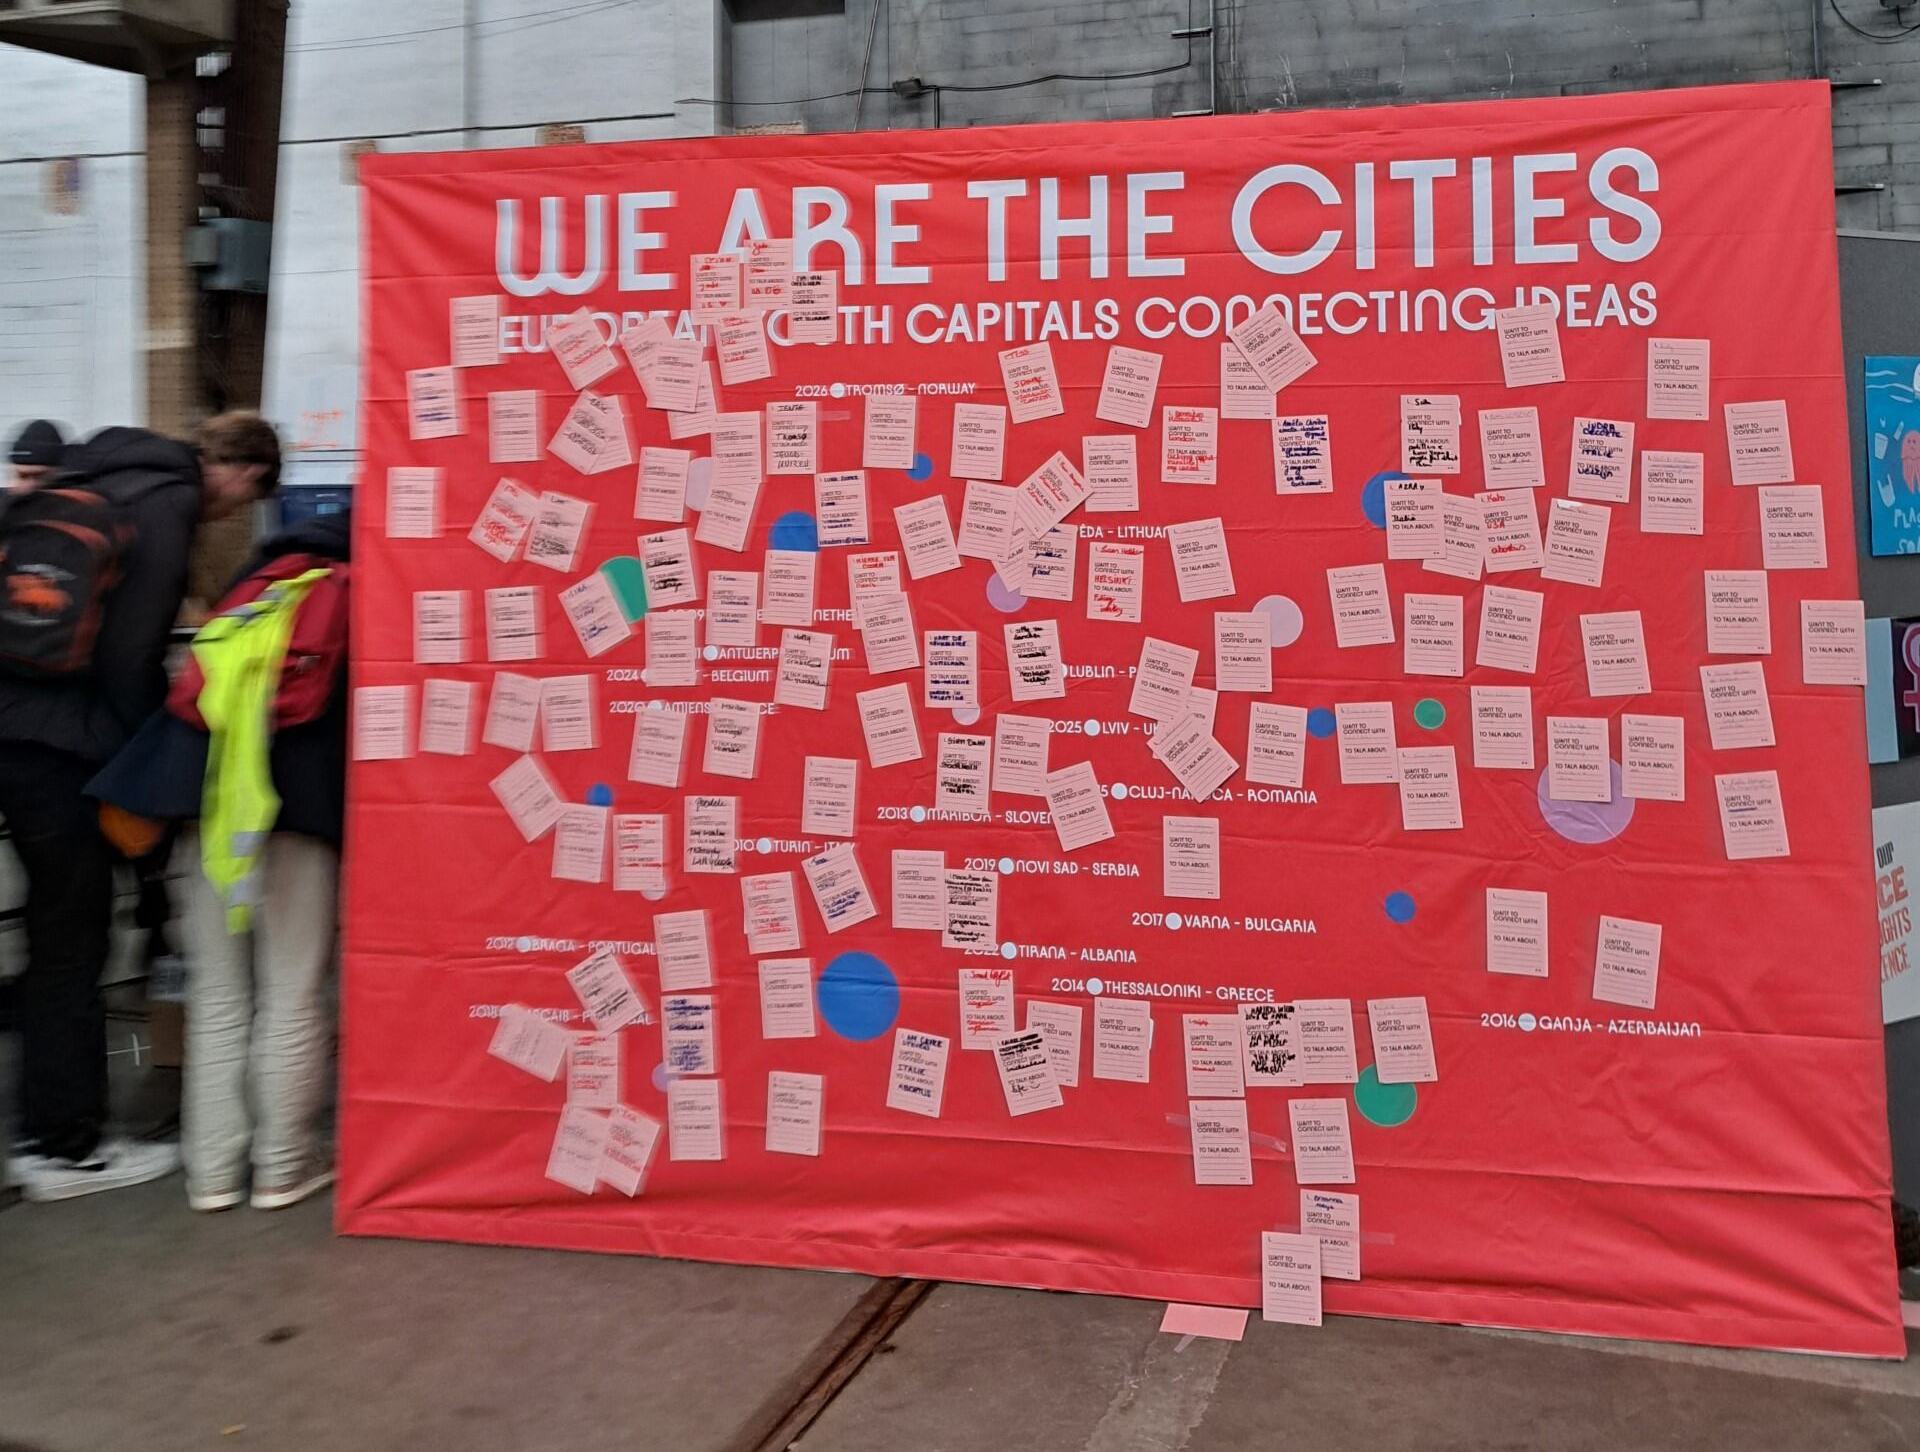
1893	452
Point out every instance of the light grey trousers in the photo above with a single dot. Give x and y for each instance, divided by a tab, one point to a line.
259	1018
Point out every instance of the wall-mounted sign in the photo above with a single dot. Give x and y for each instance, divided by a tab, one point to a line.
1893	452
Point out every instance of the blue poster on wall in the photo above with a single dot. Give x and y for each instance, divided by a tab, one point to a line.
1893	453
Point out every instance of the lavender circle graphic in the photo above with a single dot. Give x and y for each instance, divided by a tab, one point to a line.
1001	598
1588	822
1285	614
699	481
966	715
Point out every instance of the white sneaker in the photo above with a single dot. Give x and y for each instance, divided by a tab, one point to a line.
208	1201
113	1165
280	1197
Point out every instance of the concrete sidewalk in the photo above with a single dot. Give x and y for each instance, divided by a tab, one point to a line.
128	1321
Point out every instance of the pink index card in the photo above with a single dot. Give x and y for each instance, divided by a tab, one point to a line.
1759	445
1530	345
1510	452
1033	389
887	435
1127	388
1272	348
1217	1323
1413	519
1678	371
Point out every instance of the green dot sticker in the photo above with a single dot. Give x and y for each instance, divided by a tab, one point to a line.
629	583
1386	1105
1429	713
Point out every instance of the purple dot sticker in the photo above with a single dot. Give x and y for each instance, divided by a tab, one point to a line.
1588	822
1284	613
662	1076
1001	598
966	715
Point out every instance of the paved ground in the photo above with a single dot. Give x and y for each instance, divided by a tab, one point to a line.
129	1322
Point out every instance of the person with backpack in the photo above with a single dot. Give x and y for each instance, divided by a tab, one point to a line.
250	755
93	569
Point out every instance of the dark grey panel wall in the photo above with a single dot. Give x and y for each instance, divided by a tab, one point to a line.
1277	54
1880	313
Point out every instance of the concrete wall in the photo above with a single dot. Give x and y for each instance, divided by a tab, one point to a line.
70	285
1305	53
70	293
630	59
71	300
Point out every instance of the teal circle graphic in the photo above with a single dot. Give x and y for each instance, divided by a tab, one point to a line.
1386	1105
1429	713
629	582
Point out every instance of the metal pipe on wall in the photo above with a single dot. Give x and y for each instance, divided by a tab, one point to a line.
469	62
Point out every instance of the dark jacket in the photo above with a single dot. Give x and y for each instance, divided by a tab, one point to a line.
154	484
161	771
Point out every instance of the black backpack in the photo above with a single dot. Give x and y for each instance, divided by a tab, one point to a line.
60	554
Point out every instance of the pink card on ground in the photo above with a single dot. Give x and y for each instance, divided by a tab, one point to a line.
1222	1323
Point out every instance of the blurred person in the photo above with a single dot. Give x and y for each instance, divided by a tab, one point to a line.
259	864
91	579
37	451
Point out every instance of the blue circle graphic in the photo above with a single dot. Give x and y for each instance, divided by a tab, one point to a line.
858	996
794	530
1401	906
922	467
599	795
1321	722
1373	498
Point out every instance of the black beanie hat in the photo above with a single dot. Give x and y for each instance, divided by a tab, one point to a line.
40	444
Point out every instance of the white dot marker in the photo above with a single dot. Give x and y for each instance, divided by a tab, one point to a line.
1119	791
917	814
1173	922
1006	866
763	846
1096	986
712	652
1008	950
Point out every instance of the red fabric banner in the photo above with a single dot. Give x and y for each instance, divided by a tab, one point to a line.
1707	1163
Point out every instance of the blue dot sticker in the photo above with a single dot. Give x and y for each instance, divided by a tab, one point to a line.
1373	498
858	996
600	795
922	467
1401	906
794	530
1321	722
